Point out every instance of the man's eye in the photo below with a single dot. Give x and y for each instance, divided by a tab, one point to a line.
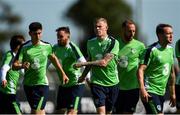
60	36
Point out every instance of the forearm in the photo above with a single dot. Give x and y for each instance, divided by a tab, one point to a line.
140	75
172	82
102	62
141	82
89	63
57	64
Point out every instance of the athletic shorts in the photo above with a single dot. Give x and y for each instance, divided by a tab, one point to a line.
37	96
2	102
127	101
104	96
155	104
69	97
177	96
9	104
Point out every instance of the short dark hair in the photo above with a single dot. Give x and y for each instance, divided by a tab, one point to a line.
126	22
65	28
160	28
34	26
15	41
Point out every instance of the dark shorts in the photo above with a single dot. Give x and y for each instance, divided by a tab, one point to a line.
37	96
177	96
127	101
104	96
9	104
155	104
69	97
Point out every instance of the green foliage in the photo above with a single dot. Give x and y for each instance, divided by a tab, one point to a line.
83	13
8	22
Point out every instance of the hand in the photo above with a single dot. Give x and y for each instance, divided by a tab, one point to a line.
172	102
144	95
65	79
26	65
4	83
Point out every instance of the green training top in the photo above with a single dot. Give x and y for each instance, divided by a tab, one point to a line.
68	56
159	62
12	76
96	48
37	55
177	52
129	54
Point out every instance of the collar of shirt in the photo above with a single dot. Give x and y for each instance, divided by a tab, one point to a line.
104	39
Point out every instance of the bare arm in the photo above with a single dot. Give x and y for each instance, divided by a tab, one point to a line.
103	62
144	94
58	66
18	65
172	88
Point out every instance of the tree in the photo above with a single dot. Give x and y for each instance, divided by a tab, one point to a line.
8	22
83	12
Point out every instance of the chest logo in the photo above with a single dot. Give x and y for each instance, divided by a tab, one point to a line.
123	61
35	64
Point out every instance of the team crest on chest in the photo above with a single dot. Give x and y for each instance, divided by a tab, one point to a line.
123	61
133	50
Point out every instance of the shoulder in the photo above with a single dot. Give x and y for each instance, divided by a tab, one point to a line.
170	47
8	53
114	41
45	43
92	40
28	43
150	48
178	43
55	45
153	46
138	42
72	44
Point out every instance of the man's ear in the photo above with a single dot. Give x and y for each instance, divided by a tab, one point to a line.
107	27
